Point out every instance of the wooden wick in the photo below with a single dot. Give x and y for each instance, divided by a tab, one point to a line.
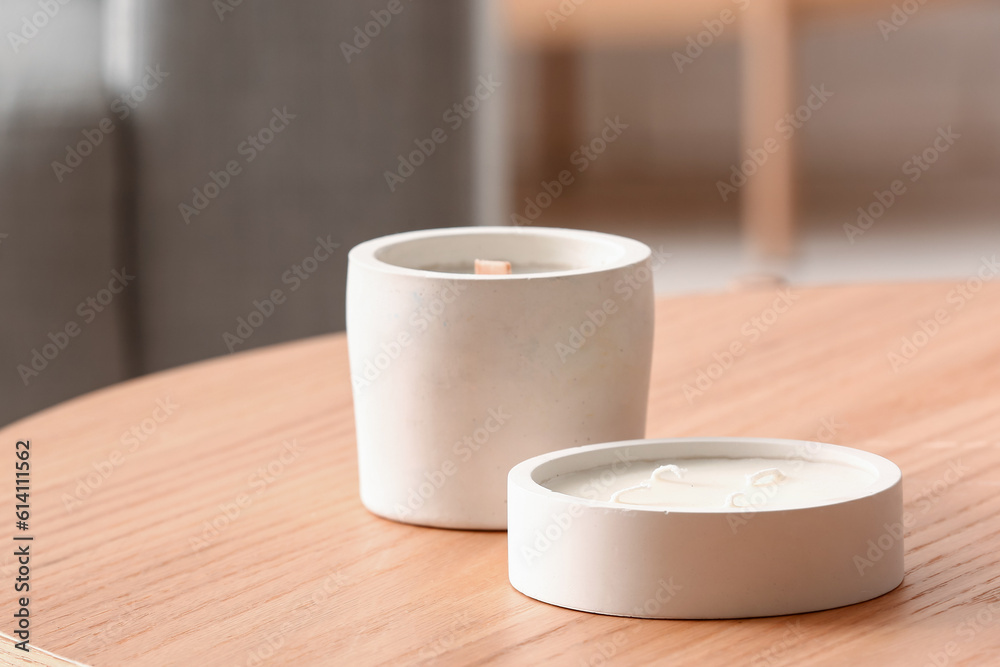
492	267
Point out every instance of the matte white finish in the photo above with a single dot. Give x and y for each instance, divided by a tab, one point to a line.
701	483
458	377
607	558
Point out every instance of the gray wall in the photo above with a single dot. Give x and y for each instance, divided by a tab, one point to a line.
218	81
322	175
61	236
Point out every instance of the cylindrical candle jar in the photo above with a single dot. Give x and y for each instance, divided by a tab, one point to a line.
458	377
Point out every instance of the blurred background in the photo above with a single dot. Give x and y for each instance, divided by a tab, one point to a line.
181	180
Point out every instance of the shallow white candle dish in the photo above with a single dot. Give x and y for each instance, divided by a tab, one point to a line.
692	534
458	377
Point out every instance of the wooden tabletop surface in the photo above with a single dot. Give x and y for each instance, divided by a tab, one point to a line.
209	515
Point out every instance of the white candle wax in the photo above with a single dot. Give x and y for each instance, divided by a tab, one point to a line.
734	484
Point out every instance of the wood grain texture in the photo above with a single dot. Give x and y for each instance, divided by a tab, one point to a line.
34	657
297	572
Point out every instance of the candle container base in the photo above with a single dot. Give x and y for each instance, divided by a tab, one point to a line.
458	376
626	560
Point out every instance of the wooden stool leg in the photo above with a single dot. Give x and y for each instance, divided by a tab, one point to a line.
768	205
560	110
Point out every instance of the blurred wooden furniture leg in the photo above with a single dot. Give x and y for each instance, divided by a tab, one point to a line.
768	195
560	107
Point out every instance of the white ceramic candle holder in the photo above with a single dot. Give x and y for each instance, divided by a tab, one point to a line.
457	377
588	553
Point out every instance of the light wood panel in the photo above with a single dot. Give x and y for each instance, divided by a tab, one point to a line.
302	574
768	64
560	30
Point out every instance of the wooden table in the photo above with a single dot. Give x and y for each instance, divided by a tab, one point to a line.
127	568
